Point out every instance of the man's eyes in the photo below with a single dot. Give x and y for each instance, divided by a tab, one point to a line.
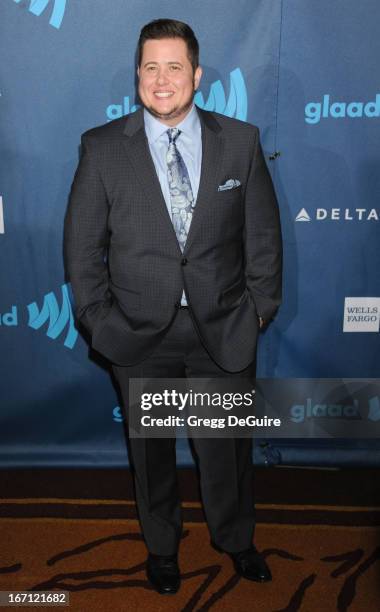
172	68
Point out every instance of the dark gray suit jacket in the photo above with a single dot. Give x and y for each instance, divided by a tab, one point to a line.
122	256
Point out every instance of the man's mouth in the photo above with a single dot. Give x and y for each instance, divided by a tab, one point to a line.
164	94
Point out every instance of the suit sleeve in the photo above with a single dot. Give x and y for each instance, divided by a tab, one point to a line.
86	239
263	243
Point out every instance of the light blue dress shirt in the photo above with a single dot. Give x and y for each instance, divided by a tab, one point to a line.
189	144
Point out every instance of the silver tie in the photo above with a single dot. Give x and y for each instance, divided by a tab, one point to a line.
181	193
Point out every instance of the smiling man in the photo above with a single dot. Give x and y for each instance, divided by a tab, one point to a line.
173	250
167	79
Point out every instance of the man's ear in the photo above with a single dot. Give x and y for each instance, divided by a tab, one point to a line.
197	77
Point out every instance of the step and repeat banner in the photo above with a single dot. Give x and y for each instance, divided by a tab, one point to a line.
306	74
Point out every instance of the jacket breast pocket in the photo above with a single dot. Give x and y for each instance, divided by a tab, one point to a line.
230	198
232	192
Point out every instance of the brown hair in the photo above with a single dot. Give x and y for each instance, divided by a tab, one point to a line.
169	28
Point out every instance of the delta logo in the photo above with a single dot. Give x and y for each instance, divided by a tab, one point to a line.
235	105
315	111
37	7
338	214
57	316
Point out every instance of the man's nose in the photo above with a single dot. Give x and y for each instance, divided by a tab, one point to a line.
162	76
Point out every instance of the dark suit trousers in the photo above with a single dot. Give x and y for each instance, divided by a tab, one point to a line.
225	464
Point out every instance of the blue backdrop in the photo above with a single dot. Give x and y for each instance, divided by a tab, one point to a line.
306	74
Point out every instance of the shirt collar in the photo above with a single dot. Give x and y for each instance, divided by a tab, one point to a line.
154	128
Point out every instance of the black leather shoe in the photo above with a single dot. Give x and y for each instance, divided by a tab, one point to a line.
163	573
250	564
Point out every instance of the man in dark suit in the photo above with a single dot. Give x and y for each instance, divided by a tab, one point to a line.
173	250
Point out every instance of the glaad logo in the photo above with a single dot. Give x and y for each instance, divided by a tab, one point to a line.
9	319
117	415
236	105
314	111
38	6
58	318
340	214
317	411
299	413
115	111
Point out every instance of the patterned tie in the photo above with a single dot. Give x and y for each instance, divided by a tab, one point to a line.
181	194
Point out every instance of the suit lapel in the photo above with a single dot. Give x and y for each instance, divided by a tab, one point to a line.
137	149
212	155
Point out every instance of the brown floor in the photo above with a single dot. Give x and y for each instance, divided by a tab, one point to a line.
76	530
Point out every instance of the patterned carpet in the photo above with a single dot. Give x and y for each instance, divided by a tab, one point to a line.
84	547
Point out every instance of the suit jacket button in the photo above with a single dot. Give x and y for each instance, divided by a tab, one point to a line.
184	261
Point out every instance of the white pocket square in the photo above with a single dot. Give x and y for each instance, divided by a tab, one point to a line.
230	184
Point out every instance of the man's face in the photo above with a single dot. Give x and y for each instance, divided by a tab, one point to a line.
166	79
